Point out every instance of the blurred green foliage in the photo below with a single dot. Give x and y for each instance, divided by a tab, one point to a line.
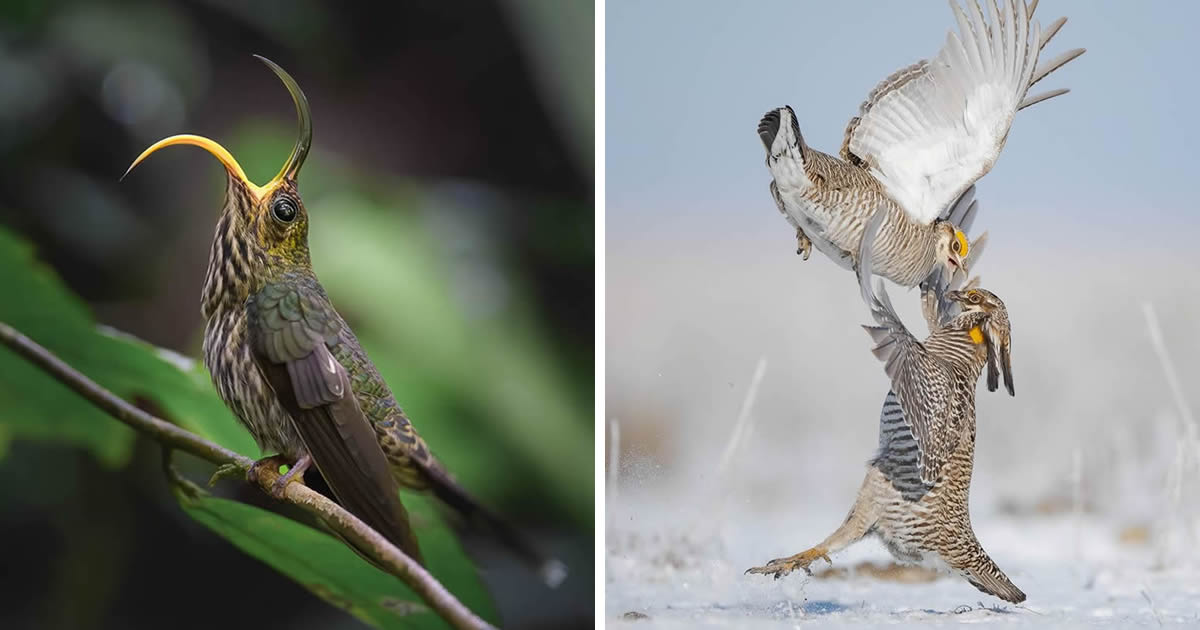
332	571
33	404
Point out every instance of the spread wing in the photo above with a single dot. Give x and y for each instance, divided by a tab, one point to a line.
929	131
921	382
290	328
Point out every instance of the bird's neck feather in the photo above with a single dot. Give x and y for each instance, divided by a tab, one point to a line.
243	258
956	344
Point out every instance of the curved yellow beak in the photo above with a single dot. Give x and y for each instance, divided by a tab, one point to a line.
291	168
218	151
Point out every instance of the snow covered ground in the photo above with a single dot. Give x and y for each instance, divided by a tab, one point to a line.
1087	482
1075	569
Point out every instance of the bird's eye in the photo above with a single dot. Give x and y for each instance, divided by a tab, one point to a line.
956	245
284	210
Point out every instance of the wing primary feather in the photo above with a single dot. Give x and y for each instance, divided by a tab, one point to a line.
1051	31
1054	64
1044	96
1024	43
967	43
958	210
968	219
980	31
1012	57
1032	53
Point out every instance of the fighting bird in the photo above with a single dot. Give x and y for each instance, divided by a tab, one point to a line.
914	496
294	374
922	139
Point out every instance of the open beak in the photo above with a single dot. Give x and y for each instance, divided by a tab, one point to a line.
958	268
290	169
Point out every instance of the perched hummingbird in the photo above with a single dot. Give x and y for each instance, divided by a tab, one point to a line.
292	371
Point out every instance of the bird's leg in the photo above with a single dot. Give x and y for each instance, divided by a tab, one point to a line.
273	462
803	243
860	520
295	473
295	469
780	567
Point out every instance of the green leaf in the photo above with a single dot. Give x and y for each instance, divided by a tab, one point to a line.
35	406
328	568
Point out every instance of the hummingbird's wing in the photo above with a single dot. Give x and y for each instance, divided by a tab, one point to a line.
289	324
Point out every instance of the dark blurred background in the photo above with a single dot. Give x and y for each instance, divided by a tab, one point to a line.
450	188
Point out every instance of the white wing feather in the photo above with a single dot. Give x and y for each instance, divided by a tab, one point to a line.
930	138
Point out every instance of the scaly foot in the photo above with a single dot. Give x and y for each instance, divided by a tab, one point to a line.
780	567
803	243
295	472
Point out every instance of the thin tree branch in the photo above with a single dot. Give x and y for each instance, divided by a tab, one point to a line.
345	524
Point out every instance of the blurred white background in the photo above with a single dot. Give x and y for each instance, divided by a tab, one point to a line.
1091	210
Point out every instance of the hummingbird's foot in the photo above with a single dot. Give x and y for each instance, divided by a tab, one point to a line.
780	567
295	473
803	243
272	462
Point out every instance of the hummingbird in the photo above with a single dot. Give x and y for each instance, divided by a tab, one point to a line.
291	370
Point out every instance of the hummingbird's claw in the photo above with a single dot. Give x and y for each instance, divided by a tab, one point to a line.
273	462
295	473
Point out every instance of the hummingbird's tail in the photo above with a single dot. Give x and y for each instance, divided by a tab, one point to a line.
551	570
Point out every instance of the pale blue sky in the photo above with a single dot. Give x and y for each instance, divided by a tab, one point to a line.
688	81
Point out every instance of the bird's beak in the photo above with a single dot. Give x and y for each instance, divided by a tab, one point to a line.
290	169
218	151
960	270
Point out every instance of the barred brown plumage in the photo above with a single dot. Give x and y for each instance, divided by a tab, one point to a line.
295	375
922	139
915	494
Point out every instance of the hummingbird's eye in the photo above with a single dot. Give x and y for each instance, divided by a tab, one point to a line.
284	210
